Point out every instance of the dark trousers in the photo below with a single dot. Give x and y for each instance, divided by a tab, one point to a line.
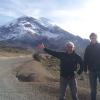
64	82
93	76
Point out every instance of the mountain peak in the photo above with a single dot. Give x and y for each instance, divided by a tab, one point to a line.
46	22
27	31
26	18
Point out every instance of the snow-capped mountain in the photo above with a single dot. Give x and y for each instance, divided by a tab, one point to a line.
27	32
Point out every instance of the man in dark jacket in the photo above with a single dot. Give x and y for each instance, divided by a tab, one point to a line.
92	63
68	64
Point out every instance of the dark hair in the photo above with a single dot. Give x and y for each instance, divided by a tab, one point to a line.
93	34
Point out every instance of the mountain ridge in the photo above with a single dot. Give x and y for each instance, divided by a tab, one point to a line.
27	32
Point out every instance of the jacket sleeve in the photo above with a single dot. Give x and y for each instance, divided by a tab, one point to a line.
86	59
80	62
53	53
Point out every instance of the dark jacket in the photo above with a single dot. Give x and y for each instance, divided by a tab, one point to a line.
68	62
92	57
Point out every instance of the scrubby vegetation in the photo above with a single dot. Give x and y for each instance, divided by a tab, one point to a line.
11	51
52	88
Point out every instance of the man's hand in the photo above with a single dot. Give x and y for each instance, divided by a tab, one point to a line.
41	46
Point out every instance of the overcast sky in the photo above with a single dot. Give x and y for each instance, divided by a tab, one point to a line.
80	17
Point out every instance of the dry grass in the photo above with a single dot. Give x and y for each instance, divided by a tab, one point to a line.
47	81
13	52
36	68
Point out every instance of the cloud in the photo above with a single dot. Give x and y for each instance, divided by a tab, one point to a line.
36	6
76	16
61	12
83	20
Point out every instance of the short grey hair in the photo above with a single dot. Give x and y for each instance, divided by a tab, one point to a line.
70	44
93	34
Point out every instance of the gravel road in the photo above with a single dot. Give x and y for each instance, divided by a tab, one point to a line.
11	88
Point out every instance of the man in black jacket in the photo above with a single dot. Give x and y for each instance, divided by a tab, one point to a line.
68	64
92	63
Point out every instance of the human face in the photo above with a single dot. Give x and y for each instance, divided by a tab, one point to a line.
93	39
70	49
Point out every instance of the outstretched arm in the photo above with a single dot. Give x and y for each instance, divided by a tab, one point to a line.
49	51
53	53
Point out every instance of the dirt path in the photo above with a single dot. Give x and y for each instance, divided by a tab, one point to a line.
11	88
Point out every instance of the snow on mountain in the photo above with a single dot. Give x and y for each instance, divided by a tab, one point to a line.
46	22
27	31
19	27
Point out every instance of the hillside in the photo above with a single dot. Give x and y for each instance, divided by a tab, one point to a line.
46	79
12	51
27	32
